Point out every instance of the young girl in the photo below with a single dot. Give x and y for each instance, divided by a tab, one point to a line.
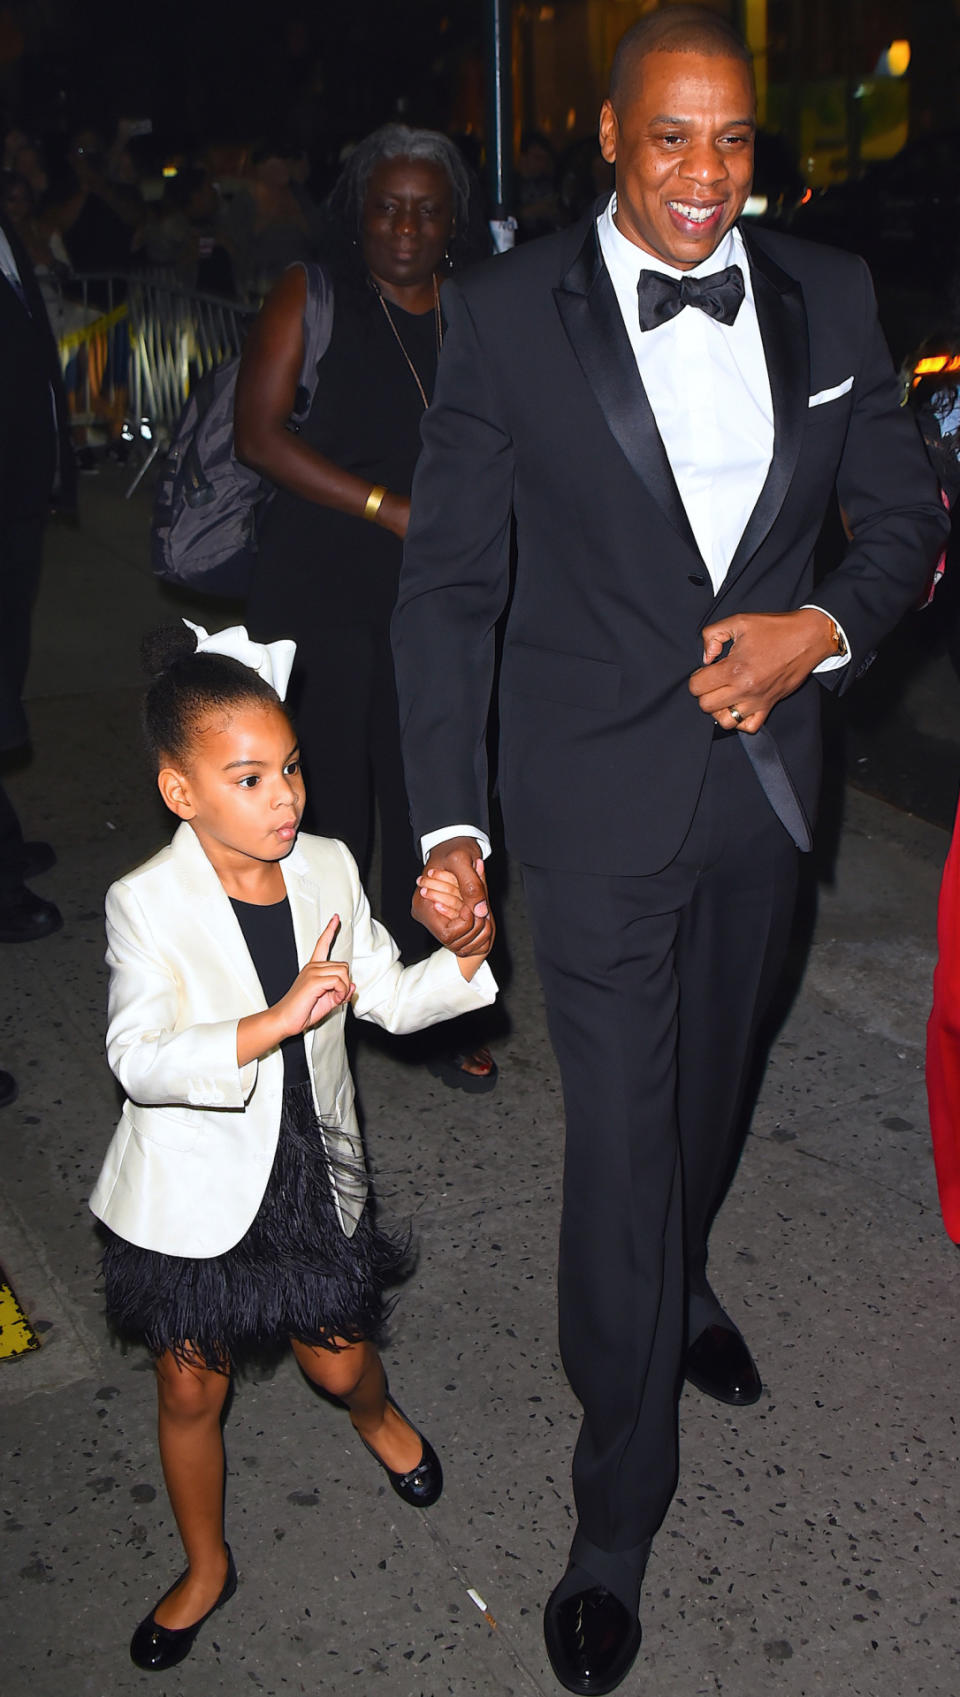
233	1189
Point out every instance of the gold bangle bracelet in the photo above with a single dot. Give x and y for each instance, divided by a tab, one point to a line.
374	502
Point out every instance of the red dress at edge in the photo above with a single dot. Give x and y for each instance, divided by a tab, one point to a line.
943	1043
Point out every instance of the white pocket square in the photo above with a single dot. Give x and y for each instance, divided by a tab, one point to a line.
822	395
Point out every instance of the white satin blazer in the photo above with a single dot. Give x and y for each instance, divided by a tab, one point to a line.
188	1164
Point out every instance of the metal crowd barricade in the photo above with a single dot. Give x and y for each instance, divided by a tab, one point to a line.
94	345
176	336
140	344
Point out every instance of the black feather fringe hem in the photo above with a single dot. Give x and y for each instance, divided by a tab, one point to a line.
293	1274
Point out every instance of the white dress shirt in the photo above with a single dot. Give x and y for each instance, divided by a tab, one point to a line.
708	386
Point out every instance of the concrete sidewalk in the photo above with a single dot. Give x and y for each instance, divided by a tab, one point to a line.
813	1543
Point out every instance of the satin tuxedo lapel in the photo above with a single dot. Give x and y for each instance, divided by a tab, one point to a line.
591	317
783	329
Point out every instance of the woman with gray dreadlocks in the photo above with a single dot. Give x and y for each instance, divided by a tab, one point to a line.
330	549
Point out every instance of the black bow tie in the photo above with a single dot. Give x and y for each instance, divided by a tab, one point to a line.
660	297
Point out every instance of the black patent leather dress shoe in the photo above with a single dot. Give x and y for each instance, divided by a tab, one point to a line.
37	858
25	917
592	1640
423	1484
156	1648
8	1089
720	1364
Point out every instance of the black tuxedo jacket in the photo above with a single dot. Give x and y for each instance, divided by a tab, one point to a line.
540	416
33	428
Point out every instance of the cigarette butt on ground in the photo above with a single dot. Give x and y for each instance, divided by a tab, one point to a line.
476	1598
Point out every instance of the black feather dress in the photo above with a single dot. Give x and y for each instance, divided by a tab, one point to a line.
294	1273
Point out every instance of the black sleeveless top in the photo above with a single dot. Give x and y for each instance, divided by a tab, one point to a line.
313	562
268	934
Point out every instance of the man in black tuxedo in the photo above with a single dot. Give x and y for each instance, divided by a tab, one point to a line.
662	404
35	454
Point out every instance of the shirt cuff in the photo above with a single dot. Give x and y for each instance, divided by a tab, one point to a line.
833	662
432	838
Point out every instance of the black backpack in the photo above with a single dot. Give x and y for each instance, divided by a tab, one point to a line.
203	535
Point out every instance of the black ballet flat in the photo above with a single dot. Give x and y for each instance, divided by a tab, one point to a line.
423	1484
156	1648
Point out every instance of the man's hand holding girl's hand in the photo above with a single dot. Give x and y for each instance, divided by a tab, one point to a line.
458	918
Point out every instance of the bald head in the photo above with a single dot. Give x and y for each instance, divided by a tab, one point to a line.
674	29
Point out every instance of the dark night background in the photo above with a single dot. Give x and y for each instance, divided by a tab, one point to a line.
216	70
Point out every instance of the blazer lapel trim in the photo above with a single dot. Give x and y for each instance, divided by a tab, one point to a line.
210	911
304	903
591	316
783	328
210	908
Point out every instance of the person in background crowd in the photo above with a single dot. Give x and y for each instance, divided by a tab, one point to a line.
932	384
538	200
330	548
34	457
46	251
163	241
585	176
96	212
185	232
270	223
213	273
24	155
48	256
101	208
933	393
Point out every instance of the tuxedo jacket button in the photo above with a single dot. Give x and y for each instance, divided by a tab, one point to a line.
697	578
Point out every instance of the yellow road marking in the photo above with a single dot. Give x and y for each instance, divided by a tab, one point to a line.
17	1336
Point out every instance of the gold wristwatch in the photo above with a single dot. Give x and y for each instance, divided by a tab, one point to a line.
839	640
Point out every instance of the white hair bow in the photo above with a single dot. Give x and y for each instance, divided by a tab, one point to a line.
272	661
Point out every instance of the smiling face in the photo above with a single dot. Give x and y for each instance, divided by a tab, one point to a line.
241	788
681	141
407	222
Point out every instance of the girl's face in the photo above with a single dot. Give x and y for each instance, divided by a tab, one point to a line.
241	789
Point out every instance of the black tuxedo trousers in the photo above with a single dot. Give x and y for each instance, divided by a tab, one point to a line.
654	987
